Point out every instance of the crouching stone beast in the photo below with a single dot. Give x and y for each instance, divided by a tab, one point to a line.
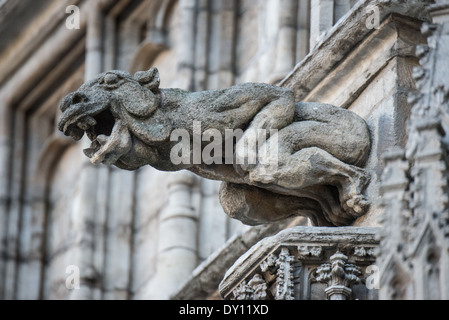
318	155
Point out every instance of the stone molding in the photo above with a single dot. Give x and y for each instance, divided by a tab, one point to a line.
344	35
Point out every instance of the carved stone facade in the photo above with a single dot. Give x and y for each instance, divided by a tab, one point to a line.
414	252
125	231
147	234
306	263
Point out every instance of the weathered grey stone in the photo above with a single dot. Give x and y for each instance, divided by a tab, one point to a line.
130	122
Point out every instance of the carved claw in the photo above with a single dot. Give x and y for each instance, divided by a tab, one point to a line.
358	204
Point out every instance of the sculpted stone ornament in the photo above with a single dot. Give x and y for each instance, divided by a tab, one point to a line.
318	153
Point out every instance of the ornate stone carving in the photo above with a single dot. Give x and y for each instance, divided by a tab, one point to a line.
310	252
255	289
415	185
284	276
305	263
260	287
311	164
280	266
340	276
362	252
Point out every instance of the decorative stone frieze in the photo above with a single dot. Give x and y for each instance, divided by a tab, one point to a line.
305	263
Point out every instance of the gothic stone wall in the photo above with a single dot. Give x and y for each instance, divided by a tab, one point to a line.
118	228
121	229
368	69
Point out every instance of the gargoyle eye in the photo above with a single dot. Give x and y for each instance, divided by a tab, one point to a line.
111	78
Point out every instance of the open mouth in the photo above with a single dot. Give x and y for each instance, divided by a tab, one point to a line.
109	135
79	117
97	130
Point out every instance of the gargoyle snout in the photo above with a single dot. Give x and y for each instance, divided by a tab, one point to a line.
73	99
79	112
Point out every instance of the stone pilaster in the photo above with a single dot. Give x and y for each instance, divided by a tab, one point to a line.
177	243
414	253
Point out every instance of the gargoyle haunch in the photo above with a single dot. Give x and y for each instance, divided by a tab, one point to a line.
319	155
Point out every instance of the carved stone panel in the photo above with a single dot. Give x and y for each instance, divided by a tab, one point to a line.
307	263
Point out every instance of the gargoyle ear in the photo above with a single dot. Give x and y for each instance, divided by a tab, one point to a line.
149	79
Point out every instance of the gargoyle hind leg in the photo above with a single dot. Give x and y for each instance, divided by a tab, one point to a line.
276	115
302	161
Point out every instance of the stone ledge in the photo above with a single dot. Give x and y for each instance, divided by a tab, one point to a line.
396	37
204	280
342	39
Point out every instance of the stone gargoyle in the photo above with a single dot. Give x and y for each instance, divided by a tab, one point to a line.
320	148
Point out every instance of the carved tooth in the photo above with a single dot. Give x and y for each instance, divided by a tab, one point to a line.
83	126
94	147
86	123
91	121
89	152
102	139
75	132
91	134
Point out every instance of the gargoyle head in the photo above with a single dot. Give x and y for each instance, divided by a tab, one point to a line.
105	107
